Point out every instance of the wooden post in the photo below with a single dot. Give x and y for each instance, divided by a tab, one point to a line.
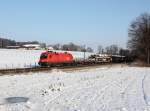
12	66
84	53
148	56
6	66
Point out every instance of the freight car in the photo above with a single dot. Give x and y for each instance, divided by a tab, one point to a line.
100	58
118	58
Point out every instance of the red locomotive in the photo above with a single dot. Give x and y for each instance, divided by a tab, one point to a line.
50	58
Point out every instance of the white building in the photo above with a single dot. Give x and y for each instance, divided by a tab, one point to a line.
32	46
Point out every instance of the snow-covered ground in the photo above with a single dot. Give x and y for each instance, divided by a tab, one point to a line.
105	88
12	58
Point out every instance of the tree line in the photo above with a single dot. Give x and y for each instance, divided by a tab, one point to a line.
112	49
139	37
6	42
72	47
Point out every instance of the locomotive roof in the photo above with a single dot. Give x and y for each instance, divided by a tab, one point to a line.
47	52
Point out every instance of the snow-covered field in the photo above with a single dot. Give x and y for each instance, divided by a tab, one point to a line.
105	88
12	58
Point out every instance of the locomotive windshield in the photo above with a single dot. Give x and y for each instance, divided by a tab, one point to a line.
43	56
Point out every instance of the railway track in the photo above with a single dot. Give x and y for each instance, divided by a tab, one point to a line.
22	70
37	69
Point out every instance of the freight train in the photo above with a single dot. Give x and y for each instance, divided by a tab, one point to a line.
50	58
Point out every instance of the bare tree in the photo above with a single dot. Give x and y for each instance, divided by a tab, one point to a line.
100	49
112	49
107	49
89	49
139	37
71	47
43	45
57	46
6	42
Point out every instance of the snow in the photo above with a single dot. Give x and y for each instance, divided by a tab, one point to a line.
104	88
19	58
13	58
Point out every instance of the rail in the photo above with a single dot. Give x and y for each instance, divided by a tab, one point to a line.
37	69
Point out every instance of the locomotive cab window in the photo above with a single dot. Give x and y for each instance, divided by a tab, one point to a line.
43	56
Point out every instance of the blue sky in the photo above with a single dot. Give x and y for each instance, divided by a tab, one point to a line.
90	22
